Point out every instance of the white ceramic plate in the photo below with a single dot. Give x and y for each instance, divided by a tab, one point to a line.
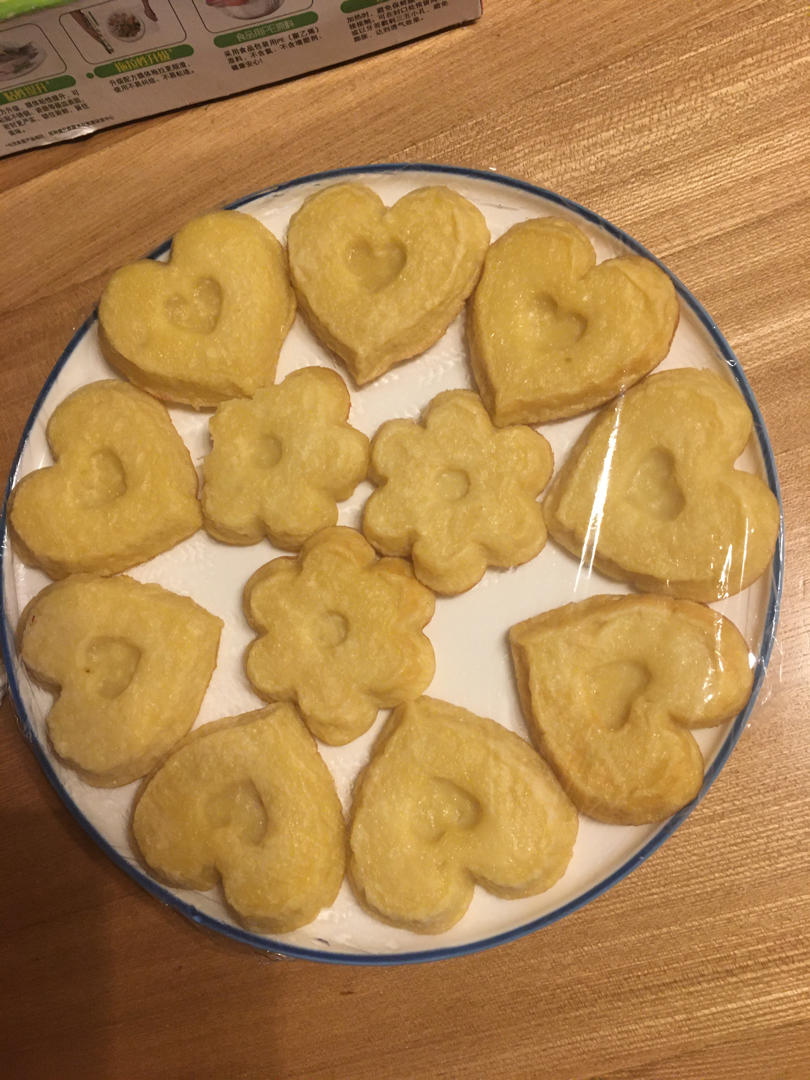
468	631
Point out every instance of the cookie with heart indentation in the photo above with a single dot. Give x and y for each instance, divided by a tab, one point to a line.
450	800
282	460
129	664
340	633
456	494
650	493
247	800
207	325
122	487
379	285
552	334
611	686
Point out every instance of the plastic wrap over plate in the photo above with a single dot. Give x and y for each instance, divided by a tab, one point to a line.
468	631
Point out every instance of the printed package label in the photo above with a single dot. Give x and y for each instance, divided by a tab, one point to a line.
70	69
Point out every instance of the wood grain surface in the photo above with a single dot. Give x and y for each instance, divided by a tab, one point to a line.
685	124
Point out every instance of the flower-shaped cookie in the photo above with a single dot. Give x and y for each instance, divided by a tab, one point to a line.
456	494
281	461
340	633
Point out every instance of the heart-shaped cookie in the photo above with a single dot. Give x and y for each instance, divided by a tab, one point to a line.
650	494
250	801
379	285
609	688
209	324
123	487
129	664
448	800
552	334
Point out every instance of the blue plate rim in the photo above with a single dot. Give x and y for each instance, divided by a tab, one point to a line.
283	948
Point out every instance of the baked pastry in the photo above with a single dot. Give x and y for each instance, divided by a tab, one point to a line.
552	334
249	801
650	495
122	487
456	494
281	461
610	687
209	324
340	633
379	285
450	800
129	665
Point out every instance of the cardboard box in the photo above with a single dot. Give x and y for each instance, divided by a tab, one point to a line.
69	69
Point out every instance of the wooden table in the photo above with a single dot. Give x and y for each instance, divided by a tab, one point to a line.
685	124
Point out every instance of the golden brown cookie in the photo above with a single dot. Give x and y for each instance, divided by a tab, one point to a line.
121	490
552	334
450	800
129	665
379	285
456	494
249	801
340	633
610	687
282	460
650	494
209	324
